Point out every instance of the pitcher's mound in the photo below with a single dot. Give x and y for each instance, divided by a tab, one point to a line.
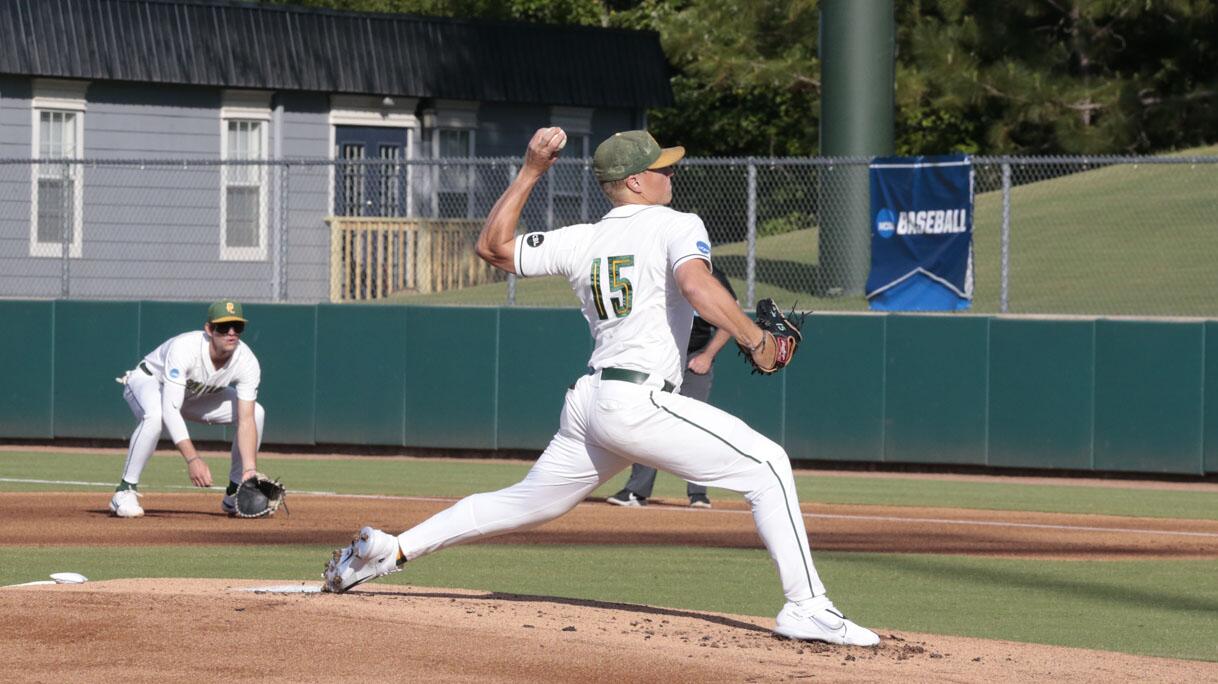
159	630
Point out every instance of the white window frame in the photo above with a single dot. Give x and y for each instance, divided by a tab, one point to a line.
245	106
55	95
380	112
452	115
576	122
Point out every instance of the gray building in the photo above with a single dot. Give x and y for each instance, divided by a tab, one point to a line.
190	149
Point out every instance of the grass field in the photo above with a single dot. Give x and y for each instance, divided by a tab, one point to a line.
1150	607
1118	240
459	478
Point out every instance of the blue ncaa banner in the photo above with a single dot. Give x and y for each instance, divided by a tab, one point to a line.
921	233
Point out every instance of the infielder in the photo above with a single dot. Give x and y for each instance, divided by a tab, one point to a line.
206	376
705	343
639	274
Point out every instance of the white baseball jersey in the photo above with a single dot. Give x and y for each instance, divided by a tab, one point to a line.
186	360
623	271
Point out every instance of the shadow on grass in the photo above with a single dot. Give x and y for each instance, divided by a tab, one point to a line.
943	570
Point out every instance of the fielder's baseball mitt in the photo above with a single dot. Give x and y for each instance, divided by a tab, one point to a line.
259	496
780	338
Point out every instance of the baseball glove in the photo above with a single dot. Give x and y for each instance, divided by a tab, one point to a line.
780	338
259	496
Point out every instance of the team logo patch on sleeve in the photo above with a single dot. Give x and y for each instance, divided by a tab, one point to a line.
704	248
535	240
174	373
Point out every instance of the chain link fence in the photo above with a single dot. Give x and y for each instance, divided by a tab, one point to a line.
1064	235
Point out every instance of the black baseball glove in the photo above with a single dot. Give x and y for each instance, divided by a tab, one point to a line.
780	338
259	496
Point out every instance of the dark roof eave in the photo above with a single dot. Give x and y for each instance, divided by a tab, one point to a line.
237	45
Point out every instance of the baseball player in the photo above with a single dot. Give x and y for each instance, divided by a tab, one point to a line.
705	342
206	376
639	273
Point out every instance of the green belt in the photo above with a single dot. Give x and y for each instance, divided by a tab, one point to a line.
627	375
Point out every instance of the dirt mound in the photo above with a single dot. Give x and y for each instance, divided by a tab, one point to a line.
157	630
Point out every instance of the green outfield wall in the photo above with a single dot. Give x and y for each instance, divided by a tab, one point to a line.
1078	394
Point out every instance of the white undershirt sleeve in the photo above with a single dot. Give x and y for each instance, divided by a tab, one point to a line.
172	396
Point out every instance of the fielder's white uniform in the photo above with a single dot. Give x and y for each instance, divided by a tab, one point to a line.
623	270
177	382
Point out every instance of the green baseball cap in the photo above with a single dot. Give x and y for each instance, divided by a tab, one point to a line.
225	310
630	152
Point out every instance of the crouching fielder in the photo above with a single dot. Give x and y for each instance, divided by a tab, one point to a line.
640	273
206	376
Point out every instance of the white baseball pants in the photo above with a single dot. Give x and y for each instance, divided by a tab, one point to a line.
143	395
608	424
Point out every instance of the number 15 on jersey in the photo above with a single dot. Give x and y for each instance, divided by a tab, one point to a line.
620	293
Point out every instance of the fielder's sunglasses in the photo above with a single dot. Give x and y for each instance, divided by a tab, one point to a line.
223	328
665	171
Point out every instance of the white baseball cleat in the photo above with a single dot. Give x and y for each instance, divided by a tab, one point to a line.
372	554
819	620
126	504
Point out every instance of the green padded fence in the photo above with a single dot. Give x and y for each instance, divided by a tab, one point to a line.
1079	394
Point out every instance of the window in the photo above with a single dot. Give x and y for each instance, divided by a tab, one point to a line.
56	187
569	186
567	198
452	124
244	121
452	198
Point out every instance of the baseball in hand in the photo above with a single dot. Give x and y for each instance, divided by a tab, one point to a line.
560	138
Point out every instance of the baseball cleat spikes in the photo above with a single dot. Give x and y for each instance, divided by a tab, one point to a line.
370	555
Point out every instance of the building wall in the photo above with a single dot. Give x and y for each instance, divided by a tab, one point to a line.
153	231
20	276
306	135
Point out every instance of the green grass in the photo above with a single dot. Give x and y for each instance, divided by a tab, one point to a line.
1119	240
455	478
1115	240
1148	608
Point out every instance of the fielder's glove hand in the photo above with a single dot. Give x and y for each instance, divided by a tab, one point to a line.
780	337
259	496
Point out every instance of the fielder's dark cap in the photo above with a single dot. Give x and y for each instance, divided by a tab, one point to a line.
630	152
225	310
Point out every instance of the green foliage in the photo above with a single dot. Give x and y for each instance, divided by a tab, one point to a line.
1018	77
586	12
791	221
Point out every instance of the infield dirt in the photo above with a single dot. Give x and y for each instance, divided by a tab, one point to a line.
161	630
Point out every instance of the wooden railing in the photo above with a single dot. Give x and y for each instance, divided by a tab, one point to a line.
373	258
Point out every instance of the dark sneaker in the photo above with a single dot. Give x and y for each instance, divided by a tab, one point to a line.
699	501
627	498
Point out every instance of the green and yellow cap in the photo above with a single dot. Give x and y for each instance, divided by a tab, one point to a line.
225	310
630	152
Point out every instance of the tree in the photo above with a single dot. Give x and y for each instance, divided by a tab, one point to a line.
1056	76
1012	77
